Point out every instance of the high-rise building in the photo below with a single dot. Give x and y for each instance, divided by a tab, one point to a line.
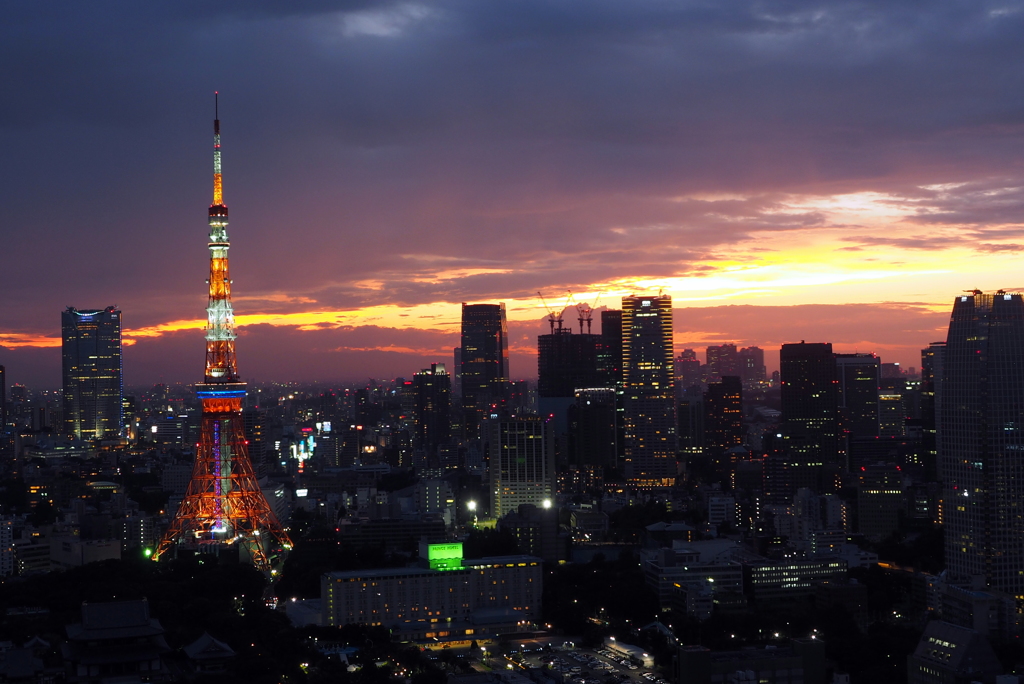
859	378
810	409
752	368
484	362
722	359
91	354
610	360
931	400
687	369
648	379
457	375
691	422
981	441
593	428
566	363
432	397
723	415
521	463
3	398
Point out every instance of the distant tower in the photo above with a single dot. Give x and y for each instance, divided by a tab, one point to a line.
484	362
931	403
432	397
610	359
981	441
859	377
648	378
91	355
722	359
223	505
810	409
687	369
3	398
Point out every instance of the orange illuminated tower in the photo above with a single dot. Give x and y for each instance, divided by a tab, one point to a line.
223	506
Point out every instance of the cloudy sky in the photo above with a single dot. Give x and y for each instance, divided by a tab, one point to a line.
828	171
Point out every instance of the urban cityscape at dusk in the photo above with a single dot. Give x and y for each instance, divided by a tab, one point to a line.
561	343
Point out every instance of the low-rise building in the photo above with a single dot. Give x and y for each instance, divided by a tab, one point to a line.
450	589
116	639
950	654
716	562
781	580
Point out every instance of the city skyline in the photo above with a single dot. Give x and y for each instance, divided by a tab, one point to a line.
820	173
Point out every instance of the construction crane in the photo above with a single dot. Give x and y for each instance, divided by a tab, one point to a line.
552	316
586	313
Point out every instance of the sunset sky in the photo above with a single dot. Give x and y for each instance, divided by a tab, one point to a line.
828	171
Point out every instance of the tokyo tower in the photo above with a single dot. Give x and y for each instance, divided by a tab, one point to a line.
223	506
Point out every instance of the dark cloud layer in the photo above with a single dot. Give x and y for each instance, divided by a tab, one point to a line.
553	143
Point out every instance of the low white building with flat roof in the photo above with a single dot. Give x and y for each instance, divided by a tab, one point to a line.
449	589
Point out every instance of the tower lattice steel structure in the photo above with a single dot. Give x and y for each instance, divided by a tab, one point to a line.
223	505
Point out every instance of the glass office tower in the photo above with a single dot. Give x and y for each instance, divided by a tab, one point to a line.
91	355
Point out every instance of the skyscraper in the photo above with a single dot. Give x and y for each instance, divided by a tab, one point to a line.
567	362
810	409
687	369
981	441
931	401
484	361
593	426
752	367
723	416
91	354
722	359
610	359
521	463
649	387
859	377
432	399
3	398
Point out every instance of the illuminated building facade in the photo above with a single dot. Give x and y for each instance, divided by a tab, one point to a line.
484	362
450	589
91	355
981	441
521	463
223	508
648	379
